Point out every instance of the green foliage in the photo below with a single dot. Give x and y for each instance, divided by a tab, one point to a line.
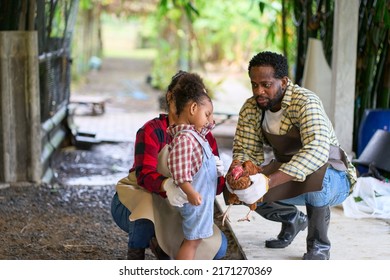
90	4
172	9
163	68
227	32
86	4
373	59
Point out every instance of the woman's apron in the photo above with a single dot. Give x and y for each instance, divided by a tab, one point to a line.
284	147
167	220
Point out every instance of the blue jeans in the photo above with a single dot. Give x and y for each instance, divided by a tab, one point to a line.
142	230
335	189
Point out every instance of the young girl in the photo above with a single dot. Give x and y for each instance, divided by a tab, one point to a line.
191	161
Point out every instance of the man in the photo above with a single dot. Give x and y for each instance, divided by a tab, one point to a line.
308	166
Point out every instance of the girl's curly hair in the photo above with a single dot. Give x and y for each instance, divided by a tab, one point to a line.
188	87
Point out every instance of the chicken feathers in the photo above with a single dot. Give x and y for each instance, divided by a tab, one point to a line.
238	179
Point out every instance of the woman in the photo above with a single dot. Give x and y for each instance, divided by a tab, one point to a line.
139	206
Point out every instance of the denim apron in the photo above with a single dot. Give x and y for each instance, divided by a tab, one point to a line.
198	220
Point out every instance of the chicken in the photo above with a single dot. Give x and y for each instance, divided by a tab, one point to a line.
238	179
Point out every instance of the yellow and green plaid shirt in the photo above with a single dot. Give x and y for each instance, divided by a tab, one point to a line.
303	109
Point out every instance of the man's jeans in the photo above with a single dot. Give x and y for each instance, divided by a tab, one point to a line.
335	189
141	231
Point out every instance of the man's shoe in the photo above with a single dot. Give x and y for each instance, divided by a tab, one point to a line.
288	232
157	251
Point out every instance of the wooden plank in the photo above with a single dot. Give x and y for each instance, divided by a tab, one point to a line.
20	107
96	103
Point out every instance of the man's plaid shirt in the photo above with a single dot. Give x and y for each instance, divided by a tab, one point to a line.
303	109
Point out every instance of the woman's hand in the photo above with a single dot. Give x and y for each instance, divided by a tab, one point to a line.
175	195
220	166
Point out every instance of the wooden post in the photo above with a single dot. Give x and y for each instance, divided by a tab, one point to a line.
20	136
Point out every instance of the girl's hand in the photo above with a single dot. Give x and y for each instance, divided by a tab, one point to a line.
194	198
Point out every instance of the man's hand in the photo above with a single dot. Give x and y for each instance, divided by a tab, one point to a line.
175	195
255	191
220	167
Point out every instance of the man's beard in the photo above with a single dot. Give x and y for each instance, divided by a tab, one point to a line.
272	102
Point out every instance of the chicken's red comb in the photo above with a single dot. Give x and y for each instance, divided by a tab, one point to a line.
237	172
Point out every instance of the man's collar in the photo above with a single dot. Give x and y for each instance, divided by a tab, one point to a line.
286	101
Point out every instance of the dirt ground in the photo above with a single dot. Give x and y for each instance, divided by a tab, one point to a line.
61	221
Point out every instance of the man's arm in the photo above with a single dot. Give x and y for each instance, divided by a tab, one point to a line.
277	178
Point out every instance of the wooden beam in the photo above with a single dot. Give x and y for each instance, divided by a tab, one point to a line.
20	140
